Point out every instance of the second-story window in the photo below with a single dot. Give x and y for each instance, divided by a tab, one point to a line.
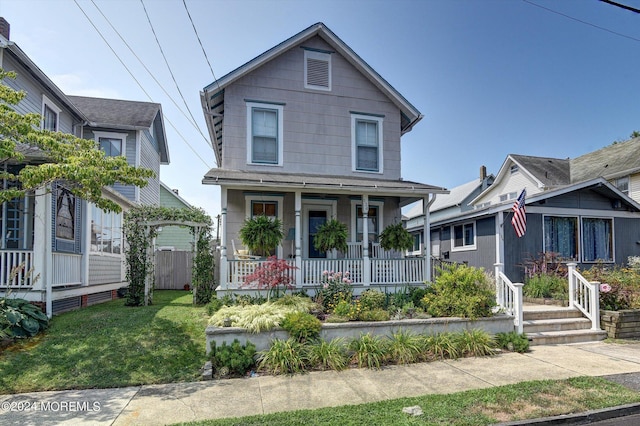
113	144
264	134
50	114
367	143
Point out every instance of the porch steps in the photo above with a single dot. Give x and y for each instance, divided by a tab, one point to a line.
557	326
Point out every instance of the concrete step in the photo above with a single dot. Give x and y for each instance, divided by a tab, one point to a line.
558	324
565	337
557	313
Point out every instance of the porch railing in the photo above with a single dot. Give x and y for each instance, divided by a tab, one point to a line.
9	261
584	295
312	270
239	270
397	271
509	297
66	269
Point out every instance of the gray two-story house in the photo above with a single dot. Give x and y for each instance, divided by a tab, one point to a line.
306	132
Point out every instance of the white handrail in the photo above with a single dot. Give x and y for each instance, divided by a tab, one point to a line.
584	295
509	297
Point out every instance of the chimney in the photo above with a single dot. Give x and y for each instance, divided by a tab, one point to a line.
483	173
4	28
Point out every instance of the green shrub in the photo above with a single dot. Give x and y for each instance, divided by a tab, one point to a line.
302	326
253	318
416	294
546	286
346	309
284	357
233	360
333	318
214	306
19	318
461	291
441	346
336	288
512	341
368	351
331	355
374	315
474	343
372	299
404	348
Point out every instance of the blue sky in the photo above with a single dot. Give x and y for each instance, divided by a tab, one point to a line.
492	77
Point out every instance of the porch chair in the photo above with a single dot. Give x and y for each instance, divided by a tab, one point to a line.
242	254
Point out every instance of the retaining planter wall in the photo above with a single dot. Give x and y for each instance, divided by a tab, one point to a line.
353	329
623	324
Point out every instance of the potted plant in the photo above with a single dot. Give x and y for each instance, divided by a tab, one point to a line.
331	235
261	234
395	237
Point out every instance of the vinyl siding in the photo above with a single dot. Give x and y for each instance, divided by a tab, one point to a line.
149	159
317	124
173	236
483	256
105	269
634	187
510	183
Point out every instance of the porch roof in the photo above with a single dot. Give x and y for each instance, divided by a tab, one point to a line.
321	183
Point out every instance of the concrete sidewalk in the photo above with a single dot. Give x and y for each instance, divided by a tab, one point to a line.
180	402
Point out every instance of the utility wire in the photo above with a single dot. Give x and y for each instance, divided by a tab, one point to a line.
581	21
184	2
622	6
169	67
136	80
194	124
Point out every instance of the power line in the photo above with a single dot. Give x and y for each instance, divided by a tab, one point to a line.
169	67
184	2
622	6
581	21
136	80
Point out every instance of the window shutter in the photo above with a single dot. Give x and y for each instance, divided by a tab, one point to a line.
78	225
317	72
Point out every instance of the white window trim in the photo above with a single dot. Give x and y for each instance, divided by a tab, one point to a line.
309	54
354	217
330	206
354	159
100	252
464	247
48	102
112	135
579	236
279	199
613	241
280	109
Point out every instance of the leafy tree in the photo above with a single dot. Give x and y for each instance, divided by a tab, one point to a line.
77	162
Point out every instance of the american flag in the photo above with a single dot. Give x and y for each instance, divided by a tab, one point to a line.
519	219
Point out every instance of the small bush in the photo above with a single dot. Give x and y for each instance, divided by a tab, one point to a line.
233	360
404	348
474	343
512	341
347	310
372	299
214	306
442	346
374	315
302	326
417	294
19	318
331	355
546	286
335	289
284	357
461	291
253	318
368	351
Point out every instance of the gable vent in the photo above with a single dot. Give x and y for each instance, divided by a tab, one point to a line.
317	73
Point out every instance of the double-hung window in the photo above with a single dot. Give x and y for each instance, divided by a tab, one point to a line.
106	231
561	236
50	115
264	208
464	236
597	239
264	133
367	143
112	144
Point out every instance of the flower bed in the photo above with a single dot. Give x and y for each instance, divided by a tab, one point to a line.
624	324
352	329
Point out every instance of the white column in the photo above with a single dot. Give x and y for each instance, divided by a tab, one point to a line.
366	262
297	241
426	242
571	267
87	242
499	237
224	275
41	238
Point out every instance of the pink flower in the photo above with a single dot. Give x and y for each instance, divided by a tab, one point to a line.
605	288
346	274
326	285
325	272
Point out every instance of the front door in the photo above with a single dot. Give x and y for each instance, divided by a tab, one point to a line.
316	219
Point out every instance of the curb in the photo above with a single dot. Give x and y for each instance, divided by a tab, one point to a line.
582	418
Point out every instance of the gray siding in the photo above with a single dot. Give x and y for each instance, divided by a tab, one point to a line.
317	124
104	269
149	159
626	239
485	253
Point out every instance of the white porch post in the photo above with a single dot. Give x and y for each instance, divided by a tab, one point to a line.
499	237
499	287
87	243
224	275
42	261
426	243
572	283
366	274
298	235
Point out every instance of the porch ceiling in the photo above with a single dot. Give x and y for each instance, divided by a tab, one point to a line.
320	183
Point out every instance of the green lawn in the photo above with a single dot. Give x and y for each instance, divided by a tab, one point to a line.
111	345
525	400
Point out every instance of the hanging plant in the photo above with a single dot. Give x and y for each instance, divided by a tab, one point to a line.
262	234
395	237
331	235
